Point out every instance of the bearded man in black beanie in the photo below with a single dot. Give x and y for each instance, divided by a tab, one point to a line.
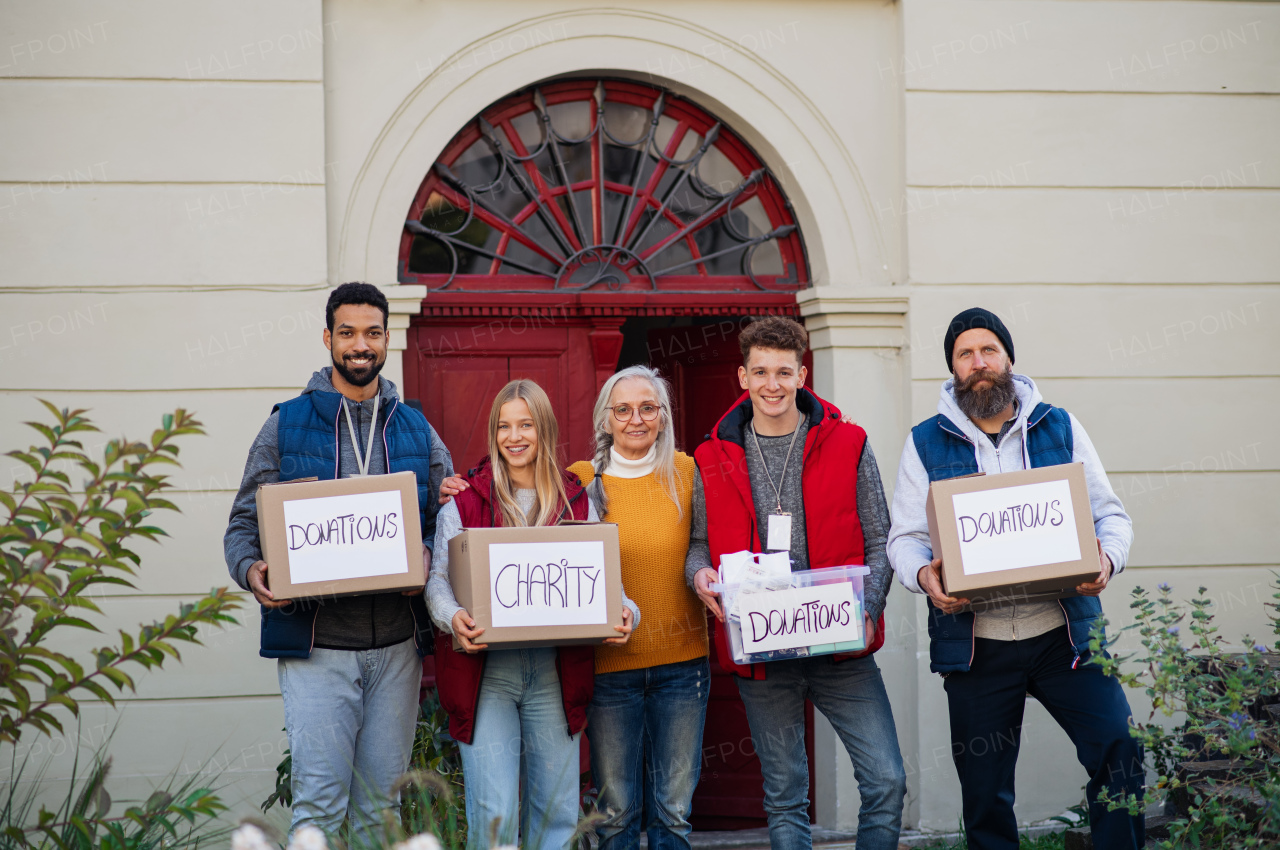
991	419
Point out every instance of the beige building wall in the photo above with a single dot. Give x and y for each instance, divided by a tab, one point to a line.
179	185
1104	175
162	229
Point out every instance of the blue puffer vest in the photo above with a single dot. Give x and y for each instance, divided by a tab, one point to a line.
947	453
308	440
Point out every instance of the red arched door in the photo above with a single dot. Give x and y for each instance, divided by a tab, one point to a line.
579	226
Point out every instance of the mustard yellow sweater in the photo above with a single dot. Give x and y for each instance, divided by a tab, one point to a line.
653	537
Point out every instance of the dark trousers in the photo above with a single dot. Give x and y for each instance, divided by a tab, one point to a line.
986	706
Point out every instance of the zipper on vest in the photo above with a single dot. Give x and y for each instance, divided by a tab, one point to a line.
387	451
337	453
1067	617
417	643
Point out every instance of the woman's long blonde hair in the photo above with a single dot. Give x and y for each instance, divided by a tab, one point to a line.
551	496
665	455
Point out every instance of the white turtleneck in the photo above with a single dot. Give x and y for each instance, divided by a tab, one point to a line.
621	467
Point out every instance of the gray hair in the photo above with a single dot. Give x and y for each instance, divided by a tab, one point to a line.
665	446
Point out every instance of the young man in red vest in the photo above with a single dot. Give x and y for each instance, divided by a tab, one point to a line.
782	472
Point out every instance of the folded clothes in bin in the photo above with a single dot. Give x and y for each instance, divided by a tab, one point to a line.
772	613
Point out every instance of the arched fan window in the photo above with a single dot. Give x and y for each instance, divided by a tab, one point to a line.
609	184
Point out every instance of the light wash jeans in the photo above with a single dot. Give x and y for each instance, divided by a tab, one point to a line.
520	713
851	695
350	715
645	728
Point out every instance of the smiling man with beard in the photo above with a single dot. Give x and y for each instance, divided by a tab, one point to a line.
349	668
992	420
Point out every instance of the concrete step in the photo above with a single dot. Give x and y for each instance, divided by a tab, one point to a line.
830	839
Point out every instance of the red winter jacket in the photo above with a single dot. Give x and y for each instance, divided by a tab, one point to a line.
458	674
832	450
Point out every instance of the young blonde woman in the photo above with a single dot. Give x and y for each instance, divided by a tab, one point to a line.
514	708
650	699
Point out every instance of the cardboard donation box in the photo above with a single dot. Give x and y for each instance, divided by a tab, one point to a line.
773	613
341	537
542	586
1016	536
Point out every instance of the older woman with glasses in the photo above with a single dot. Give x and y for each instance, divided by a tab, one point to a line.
645	718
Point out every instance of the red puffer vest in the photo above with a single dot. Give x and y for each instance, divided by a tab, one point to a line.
458	674
832	450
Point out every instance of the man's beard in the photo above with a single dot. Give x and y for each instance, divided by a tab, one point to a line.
362	378
985	402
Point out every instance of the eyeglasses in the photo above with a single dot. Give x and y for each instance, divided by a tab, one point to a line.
648	412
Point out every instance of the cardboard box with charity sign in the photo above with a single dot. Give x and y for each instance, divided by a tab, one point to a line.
541	586
341	537
1014	536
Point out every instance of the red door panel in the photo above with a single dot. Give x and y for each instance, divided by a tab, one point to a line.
461	391
456	366
459	368
701	362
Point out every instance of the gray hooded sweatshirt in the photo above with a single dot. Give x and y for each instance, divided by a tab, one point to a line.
909	546
349	622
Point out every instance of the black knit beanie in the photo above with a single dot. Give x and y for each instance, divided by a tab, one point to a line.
976	317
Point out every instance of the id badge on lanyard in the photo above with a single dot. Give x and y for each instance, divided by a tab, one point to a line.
779	532
778	538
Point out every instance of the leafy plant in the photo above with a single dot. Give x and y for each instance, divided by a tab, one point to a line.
440	804
178	815
57	545
1215	746
283	793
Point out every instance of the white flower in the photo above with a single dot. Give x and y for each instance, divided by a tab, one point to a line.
308	838
249	837
425	841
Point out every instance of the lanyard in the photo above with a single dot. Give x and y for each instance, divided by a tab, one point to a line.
777	491
351	432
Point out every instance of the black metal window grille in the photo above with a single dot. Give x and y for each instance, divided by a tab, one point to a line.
588	183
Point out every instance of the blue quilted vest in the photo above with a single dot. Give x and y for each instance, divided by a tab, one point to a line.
308	441
947	453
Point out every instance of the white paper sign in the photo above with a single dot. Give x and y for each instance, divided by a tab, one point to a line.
547	584
1024	526
801	616
734	566
353	536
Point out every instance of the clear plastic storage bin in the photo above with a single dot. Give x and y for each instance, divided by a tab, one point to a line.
732	594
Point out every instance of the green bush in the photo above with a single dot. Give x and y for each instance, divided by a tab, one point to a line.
58	543
1212	736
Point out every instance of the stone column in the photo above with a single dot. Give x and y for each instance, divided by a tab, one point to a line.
405	302
859	339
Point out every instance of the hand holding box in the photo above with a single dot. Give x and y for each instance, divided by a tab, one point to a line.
341	537
1018	536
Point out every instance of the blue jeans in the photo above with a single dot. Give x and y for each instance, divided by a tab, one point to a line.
646	744
986	706
350	716
851	695
520	717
